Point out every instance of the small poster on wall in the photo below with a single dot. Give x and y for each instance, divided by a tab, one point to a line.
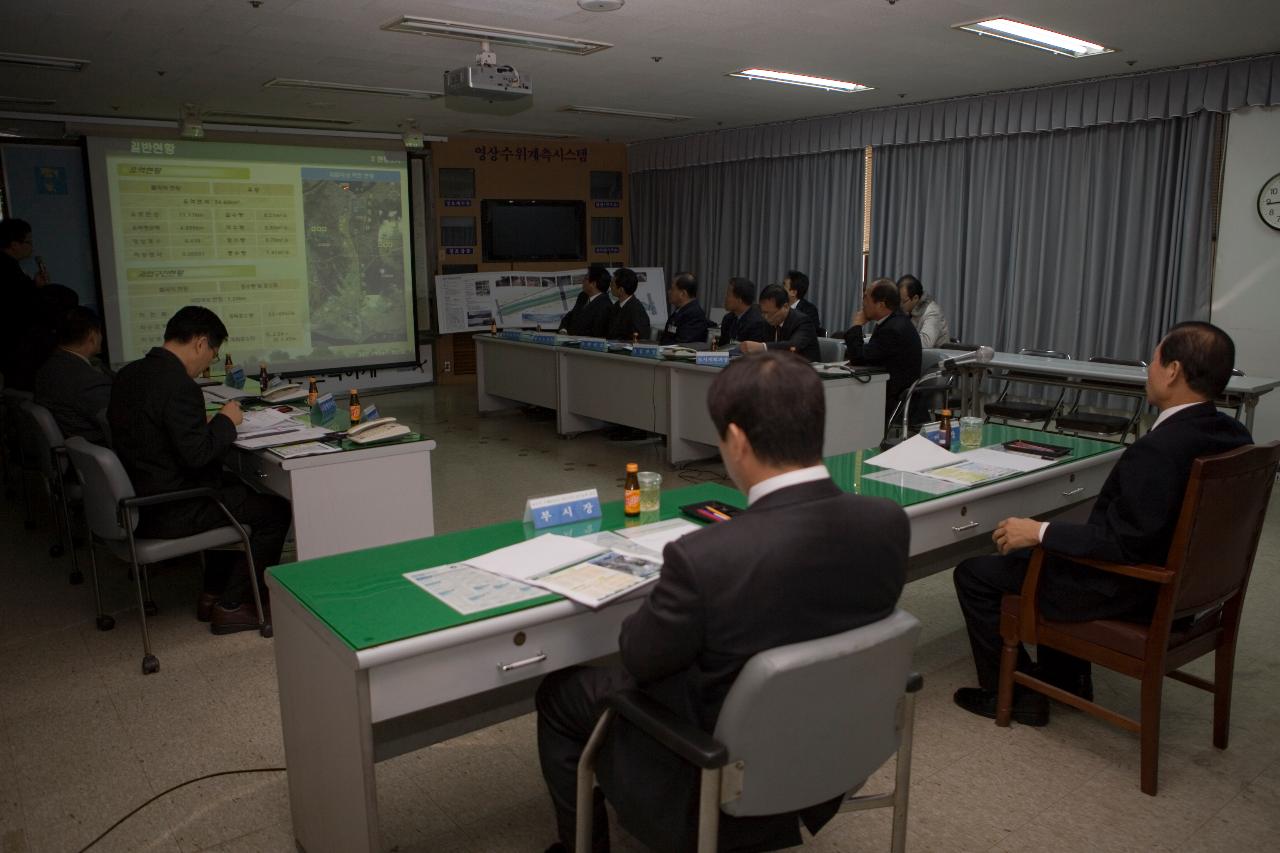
516	299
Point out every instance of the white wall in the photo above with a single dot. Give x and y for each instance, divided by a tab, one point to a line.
1246	282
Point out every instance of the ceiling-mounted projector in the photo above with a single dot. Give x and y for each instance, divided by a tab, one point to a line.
487	80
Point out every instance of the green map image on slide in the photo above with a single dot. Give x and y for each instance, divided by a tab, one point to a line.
355	261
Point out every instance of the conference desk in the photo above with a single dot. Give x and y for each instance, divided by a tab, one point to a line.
589	389
359	497
1241	393
371	667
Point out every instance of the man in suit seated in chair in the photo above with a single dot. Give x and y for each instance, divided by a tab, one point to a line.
805	560
1132	521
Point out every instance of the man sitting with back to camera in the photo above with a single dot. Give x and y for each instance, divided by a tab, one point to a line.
164	440
687	323
742	318
589	317
629	320
75	390
791	329
1132	521
804	561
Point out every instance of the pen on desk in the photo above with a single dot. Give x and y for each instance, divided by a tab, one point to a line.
723	516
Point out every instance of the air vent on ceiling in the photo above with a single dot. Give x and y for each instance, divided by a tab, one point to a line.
15	101
494	35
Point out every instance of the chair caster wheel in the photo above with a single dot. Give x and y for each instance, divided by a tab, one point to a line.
150	608
267	631
105	623
150	664
56	551
76	578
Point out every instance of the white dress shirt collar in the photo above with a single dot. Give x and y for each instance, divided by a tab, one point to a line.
77	355
593	297
624	301
782	481
1170	412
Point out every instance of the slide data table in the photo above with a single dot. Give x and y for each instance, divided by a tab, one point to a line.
1242	392
371	667
589	389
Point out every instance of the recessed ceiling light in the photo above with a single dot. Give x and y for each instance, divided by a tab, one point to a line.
494	35
1026	34
616	113
352	88
56	62
800	80
497	131
216	116
602	5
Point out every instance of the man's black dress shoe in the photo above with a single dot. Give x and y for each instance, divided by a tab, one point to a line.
1029	708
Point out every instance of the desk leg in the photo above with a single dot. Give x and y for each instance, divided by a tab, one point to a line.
328	737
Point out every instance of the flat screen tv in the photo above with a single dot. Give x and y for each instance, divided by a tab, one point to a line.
526	230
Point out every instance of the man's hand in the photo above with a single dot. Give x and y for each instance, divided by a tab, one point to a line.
1015	533
752	346
232	411
41	278
860	318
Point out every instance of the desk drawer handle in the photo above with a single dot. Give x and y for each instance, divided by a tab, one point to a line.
508	667
1077	490
965	527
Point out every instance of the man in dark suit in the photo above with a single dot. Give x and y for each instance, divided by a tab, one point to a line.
629	319
894	345
805	560
1132	521
589	317
28	309
69	385
687	323
797	287
742	319
790	330
164	440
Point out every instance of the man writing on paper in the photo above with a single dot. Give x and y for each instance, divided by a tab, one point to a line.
805	560
791	330
161	434
894	345
1132	521
589	317
75	390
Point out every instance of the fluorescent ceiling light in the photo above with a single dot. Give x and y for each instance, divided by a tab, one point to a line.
260	118
352	88
27	102
494	35
616	113
800	80
497	131
58	62
1026	34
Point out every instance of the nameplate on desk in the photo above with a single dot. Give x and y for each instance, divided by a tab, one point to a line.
323	410
235	377
933	432
544	338
509	334
569	508
370	413
646	350
595	346
713	359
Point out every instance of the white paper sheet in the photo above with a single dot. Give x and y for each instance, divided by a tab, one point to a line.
654	537
536	556
223	393
603	578
469	590
915	454
1006	459
913	481
306	448
282	435
263	420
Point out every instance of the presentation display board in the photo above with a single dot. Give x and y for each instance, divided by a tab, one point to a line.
525	299
303	252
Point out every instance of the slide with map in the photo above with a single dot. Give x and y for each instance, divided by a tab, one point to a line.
303	252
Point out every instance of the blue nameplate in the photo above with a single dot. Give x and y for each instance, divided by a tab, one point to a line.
646	350
545	338
933	432
596	346
235	378
509	334
569	508
324	410
370	413
713	359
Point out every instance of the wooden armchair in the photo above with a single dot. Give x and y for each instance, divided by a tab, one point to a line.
1201	593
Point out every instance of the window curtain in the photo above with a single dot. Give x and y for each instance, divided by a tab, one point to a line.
1090	241
756	219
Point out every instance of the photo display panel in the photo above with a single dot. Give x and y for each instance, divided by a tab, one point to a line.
303	252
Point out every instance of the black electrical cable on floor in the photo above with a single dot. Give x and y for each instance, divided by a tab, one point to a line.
109	829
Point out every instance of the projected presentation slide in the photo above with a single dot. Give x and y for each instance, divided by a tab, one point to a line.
303	252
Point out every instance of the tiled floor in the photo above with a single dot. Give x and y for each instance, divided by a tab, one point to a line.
84	737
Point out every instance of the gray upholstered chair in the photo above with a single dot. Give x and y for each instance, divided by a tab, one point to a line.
10	451
110	508
831	349
43	454
802	724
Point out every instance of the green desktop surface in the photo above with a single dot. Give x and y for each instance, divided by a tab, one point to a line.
365	599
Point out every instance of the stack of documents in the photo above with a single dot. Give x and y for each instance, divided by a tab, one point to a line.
923	466
592	570
268	427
